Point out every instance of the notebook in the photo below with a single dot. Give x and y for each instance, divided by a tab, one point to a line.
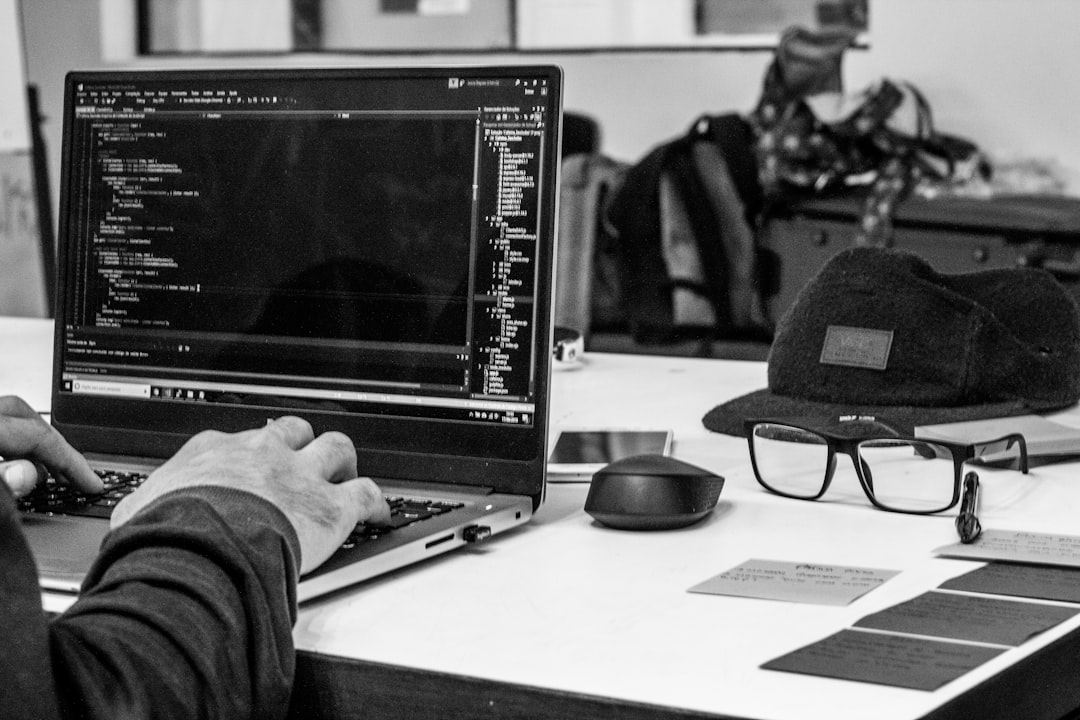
370	249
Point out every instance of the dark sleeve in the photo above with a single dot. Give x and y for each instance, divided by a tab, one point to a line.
186	613
26	686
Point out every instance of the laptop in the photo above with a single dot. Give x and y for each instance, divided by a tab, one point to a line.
370	249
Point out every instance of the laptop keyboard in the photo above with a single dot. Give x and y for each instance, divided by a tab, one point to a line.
403	512
57	498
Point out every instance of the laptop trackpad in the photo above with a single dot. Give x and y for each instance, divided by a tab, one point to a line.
63	547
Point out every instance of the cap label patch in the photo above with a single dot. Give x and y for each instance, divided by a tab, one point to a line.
856	347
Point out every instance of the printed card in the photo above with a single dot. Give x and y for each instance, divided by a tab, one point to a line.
1040	582
968	617
1019	546
814	583
916	663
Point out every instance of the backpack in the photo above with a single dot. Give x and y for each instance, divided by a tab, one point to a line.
685	221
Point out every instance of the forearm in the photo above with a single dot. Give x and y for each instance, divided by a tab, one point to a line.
187	613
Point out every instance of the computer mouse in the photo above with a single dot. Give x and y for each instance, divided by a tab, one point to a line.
652	492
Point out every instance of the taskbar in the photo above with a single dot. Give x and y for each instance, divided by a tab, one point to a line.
497	410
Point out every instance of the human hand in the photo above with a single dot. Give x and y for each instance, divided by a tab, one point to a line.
312	480
29	445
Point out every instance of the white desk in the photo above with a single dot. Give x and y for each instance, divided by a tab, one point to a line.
566	617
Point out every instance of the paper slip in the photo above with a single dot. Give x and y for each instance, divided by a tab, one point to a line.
907	662
795	582
1041	582
968	617
1019	546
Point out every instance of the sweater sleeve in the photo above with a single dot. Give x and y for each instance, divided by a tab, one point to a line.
26	686
187	612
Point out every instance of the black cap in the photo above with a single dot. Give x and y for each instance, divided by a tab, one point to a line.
879	332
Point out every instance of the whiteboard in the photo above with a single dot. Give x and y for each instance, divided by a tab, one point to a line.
22	264
14	113
23	285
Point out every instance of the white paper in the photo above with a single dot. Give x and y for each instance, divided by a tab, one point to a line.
804	582
1019	546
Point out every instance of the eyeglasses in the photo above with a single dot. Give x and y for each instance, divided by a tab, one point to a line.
796	458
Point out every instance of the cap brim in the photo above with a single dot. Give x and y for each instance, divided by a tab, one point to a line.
729	417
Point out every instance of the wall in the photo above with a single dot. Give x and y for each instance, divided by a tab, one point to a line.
22	281
996	71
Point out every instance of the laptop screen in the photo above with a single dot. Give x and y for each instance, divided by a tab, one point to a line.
370	249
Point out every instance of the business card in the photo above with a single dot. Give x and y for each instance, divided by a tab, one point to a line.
1019	546
973	618
1039	582
896	660
804	582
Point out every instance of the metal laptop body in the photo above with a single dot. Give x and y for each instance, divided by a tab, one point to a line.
370	249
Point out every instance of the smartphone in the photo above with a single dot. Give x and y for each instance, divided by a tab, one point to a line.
577	454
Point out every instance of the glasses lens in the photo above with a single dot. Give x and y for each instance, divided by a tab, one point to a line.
908	476
789	460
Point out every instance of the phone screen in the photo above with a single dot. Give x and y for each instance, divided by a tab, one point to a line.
581	451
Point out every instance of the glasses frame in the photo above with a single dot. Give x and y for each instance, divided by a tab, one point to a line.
846	444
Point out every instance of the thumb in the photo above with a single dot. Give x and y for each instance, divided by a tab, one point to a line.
20	475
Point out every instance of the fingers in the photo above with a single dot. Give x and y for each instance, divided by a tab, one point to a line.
20	475
67	463
24	434
331	455
362	493
295	432
14	406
